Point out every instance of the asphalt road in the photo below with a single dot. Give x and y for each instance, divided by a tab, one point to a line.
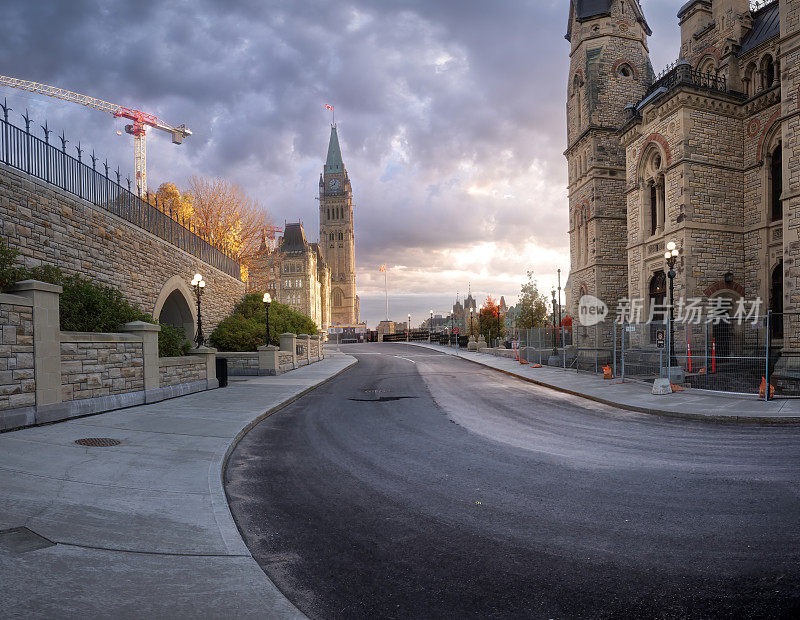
419	485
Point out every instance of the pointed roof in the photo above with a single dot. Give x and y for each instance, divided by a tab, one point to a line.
294	238
583	10
334	161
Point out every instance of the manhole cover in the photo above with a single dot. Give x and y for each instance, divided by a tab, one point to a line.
375	391
22	540
98	442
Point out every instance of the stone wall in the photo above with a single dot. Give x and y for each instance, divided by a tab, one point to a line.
17	382
50	226
83	373
242	363
177	370
94	365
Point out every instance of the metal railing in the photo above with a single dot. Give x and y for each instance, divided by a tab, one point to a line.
684	73
20	149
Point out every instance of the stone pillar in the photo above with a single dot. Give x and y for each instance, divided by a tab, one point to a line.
471	344
305	341
210	355
46	338
148	332
268	360
289	343
317	342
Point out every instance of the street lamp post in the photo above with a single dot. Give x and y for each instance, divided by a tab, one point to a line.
199	284
555	347
559	298
430	328
671	255
470	320
267	301
408	330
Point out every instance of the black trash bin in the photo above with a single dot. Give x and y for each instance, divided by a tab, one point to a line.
222	371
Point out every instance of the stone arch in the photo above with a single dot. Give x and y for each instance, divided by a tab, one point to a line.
337	298
721	285
175	306
769	126
709	51
709	63
661	141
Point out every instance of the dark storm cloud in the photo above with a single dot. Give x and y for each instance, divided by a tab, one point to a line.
451	113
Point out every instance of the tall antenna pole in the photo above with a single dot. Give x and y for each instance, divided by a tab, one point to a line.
386	288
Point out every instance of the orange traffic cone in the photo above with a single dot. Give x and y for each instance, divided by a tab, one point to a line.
762	389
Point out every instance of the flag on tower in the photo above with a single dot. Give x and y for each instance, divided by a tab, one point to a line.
382	267
328	107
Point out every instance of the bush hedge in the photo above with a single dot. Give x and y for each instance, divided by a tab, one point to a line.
87	306
246	328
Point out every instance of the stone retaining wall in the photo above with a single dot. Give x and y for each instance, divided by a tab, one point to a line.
17	382
83	373
50	226
95	365
177	370
241	363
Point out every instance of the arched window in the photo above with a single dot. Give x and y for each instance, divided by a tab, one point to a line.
776	183
625	71
767	72
341	236
329	214
338	298
776	301
655	194
750	81
708	65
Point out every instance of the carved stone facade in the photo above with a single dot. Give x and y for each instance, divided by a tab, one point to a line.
707	155
294	273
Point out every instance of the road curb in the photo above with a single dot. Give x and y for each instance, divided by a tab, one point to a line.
729	419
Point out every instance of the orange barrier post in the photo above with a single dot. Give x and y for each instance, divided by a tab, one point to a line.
689	352
713	355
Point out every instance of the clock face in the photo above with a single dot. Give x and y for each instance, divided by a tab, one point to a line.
334	184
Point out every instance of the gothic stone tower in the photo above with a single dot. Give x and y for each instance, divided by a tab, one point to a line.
337	236
609	68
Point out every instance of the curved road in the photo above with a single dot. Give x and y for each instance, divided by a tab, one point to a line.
420	485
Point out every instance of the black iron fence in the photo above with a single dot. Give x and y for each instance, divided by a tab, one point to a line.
20	149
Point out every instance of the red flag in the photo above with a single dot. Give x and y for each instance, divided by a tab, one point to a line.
328	107
382	267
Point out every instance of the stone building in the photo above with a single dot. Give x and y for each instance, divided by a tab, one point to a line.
461	312
707	155
337	234
295	274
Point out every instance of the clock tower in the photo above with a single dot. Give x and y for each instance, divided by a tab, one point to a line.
337	235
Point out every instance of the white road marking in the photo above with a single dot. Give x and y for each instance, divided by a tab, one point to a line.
404	358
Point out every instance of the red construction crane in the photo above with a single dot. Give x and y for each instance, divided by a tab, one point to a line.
141	120
269	233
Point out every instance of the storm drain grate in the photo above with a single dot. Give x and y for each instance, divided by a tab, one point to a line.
376	391
98	442
22	540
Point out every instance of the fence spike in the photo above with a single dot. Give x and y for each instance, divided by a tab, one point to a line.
28	120
80	151
6	109
118	176
63	141
94	160
47	131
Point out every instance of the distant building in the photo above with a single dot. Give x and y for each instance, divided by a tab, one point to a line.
295	274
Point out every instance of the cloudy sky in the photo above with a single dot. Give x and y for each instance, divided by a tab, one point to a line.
450	114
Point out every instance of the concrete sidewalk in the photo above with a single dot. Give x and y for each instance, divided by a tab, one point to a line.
636	396
142	529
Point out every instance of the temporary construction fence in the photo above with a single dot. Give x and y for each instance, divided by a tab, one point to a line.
725	356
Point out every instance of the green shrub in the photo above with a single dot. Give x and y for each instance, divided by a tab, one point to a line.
87	306
246	328
172	342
